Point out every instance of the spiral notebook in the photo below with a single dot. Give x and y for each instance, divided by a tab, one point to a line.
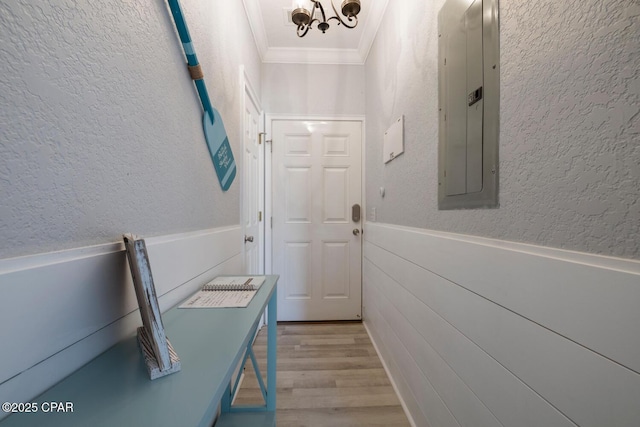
238	283
225	291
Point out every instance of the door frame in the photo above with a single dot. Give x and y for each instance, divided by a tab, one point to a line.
247	90
269	119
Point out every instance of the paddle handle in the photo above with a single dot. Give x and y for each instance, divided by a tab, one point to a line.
190	53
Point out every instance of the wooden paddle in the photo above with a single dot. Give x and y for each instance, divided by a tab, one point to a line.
214	132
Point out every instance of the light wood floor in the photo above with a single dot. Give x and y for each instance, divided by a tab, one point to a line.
328	375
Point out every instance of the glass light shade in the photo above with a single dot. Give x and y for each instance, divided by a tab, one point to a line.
301	4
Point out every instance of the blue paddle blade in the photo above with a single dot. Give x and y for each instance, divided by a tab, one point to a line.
219	148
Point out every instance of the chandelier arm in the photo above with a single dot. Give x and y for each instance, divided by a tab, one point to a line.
312	19
319	5
306	30
340	21
307	27
337	17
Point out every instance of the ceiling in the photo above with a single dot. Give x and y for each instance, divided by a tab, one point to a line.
277	41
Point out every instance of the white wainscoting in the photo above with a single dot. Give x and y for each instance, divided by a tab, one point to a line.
480	332
60	310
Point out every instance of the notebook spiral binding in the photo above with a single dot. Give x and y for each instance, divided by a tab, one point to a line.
247	286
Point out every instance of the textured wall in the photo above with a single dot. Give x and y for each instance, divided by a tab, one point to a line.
569	131
100	125
330	90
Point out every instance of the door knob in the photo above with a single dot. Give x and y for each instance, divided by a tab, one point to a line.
356	231
248	239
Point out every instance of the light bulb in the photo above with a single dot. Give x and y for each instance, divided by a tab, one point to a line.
300	4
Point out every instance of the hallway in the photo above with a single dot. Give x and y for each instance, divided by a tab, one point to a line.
523	314
328	375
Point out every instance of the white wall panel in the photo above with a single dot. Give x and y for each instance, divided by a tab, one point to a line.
68	307
575	295
523	372
459	398
424	397
511	400
414	414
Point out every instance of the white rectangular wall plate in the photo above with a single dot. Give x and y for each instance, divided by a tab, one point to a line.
393	140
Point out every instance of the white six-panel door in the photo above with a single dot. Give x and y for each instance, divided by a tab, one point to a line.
316	180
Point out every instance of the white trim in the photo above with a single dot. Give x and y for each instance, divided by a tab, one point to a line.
247	90
602	261
358	56
29	262
244	91
262	195
363	212
371	28
254	16
248	87
405	408
268	200
10	265
90	302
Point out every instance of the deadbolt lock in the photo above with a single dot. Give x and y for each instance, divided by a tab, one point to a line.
355	213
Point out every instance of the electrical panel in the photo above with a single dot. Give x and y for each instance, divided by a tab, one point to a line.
468	92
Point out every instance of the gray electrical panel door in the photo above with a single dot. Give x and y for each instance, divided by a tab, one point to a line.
473	24
468	100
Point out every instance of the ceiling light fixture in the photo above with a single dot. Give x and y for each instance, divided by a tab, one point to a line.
304	14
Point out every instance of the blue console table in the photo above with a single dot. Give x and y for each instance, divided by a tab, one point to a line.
114	389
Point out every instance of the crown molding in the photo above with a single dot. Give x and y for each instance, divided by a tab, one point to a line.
314	56
254	16
372	25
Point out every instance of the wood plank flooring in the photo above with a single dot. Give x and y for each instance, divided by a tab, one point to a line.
328	375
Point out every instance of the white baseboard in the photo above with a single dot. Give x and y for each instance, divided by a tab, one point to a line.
65	308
